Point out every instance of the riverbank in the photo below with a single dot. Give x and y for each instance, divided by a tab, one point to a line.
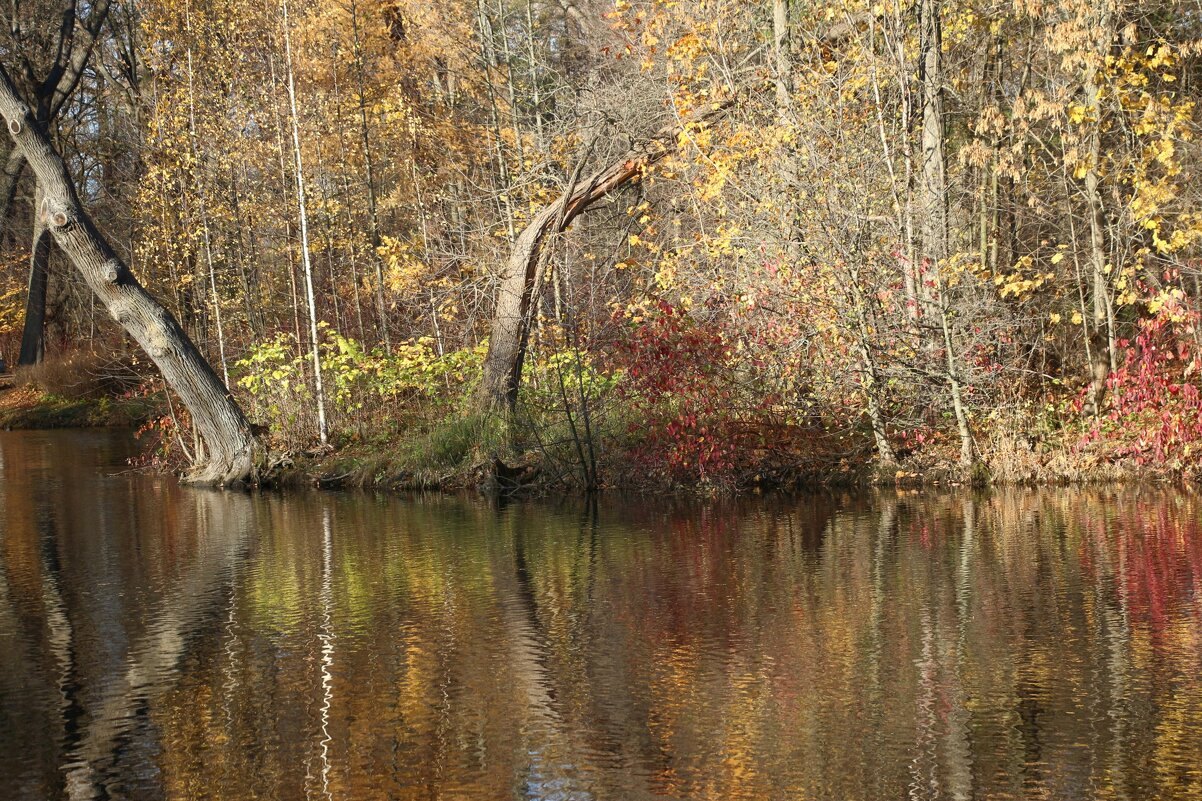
427	463
25	407
472	453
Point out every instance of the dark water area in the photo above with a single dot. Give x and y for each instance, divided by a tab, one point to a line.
158	642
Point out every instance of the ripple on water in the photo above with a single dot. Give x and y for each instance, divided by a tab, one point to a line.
161	643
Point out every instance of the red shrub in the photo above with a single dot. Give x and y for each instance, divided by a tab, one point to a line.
1155	404
691	421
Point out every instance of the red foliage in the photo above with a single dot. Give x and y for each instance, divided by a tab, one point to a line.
691	421
1155	403
163	434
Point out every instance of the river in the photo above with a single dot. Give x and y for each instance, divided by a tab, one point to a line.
159	642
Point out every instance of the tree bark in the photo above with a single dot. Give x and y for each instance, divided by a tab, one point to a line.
306	260
50	95
10	178
1101	329
33	344
518	291
231	449
780	55
935	247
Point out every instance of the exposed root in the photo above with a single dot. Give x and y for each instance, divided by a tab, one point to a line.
238	469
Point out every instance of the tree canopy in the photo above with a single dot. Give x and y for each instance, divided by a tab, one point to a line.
820	233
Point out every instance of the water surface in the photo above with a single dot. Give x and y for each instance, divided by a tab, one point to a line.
158	642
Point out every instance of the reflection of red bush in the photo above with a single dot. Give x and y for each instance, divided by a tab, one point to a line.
1163	567
1156	561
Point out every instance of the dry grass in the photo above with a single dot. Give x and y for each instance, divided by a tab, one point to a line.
1016	456
81	375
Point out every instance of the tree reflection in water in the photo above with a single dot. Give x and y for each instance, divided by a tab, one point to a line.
162	643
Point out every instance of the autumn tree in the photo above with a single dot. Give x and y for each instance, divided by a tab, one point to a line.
231	451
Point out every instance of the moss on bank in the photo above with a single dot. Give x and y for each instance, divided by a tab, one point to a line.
456	453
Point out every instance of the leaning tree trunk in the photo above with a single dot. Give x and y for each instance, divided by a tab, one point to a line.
10	178
230	447
518	292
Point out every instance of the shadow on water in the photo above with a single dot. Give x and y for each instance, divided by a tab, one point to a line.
157	642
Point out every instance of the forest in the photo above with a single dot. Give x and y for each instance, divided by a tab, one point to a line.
733	244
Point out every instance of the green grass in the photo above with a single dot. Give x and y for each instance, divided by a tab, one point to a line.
444	453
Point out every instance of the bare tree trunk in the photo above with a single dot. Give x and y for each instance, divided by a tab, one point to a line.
348	207
780	55
1102	325
204	219
231	449
279	140
323	434
934	164
369	178
536	92
934	204
33	335
870	380
910	260
247	250
519	282
496	141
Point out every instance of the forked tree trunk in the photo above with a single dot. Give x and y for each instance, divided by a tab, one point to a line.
518	293
230	448
75	42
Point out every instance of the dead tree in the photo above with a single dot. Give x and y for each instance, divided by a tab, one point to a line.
231	449
517	295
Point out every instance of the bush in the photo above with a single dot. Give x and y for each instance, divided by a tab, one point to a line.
692	419
367	392
1154	414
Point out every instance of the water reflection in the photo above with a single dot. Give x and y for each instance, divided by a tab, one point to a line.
163	643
